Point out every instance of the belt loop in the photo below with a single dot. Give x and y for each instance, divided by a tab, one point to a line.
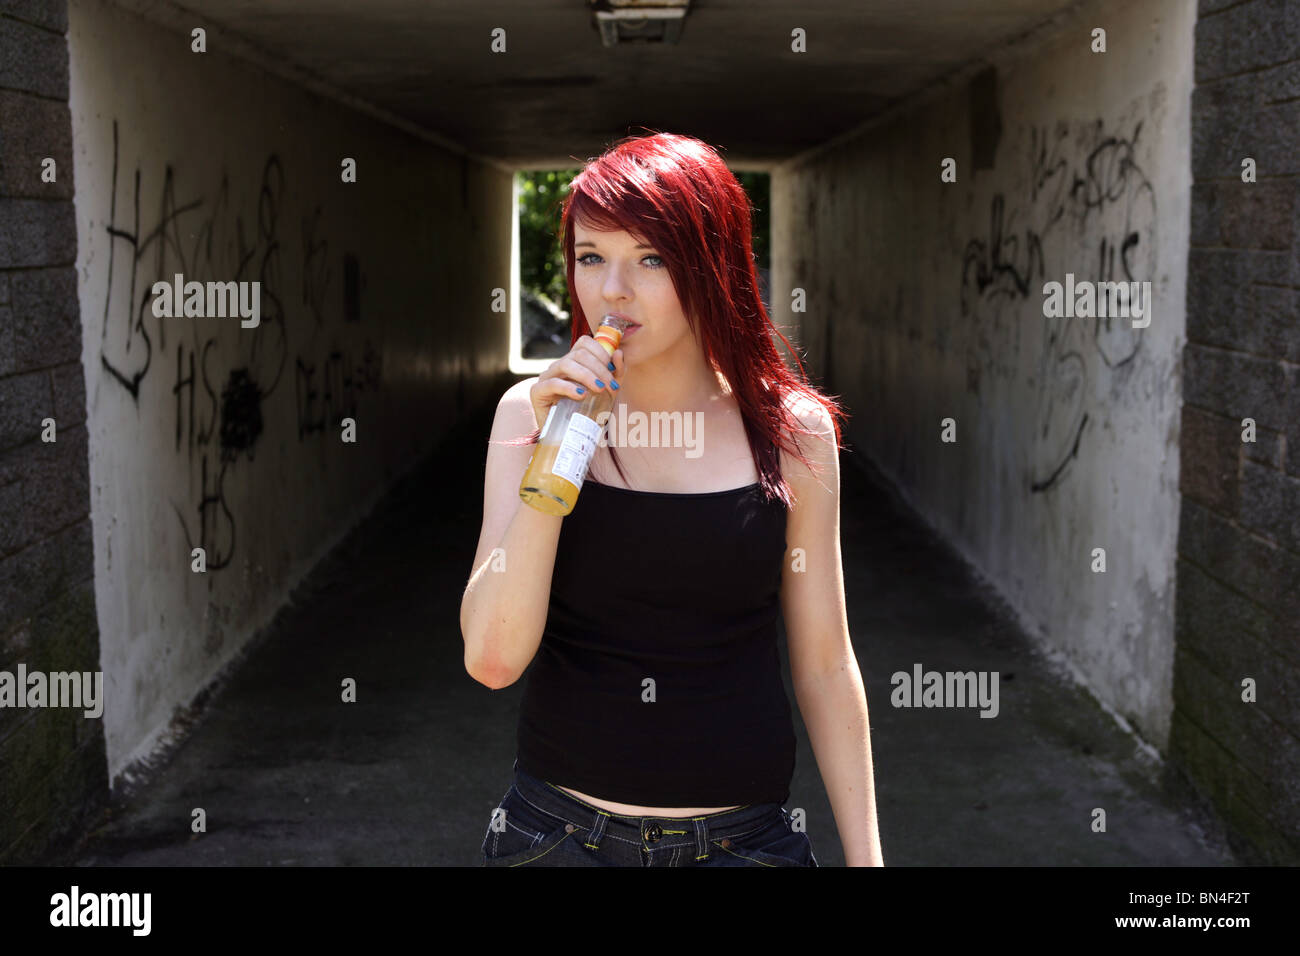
597	830
701	838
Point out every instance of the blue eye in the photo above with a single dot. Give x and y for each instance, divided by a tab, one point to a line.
582	260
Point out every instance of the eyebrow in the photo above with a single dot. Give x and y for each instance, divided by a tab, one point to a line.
639	245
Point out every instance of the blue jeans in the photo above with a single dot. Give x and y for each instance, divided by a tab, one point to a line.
538	824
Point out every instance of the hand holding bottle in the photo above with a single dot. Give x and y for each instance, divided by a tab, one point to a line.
586	366
574	397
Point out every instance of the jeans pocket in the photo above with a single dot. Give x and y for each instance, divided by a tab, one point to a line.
519	832
773	843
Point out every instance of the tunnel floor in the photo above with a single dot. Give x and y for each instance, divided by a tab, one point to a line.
288	774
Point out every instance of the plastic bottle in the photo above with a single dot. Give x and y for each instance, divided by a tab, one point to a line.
569	438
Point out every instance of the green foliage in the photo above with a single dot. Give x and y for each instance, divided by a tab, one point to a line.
759	188
541	257
541	195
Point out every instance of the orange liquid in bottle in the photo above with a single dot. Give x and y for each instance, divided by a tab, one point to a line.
569	438
542	488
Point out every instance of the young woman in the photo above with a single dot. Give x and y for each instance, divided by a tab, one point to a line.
654	728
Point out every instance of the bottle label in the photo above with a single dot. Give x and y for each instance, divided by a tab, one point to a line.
576	448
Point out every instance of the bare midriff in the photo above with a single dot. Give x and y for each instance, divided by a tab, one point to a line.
632	810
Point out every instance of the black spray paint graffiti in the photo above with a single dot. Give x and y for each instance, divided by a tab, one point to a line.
201	240
1002	265
315	267
340	384
1102	197
211	253
218	405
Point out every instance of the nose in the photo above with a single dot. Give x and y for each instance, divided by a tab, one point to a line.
615	288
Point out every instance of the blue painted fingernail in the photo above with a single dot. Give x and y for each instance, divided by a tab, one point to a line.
599	383
615	384
581	389
611	366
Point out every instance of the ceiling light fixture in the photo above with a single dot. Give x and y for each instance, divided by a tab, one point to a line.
649	21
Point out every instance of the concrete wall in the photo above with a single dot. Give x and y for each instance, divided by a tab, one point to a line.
376	304
52	769
1239	539
925	302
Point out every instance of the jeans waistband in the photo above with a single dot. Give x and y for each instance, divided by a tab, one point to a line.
657	831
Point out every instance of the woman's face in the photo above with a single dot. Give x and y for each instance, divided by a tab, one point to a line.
612	272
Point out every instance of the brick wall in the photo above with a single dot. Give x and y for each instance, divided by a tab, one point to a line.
52	761
1238	587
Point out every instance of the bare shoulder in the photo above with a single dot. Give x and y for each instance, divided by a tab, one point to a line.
820	447
518	392
810	413
515	410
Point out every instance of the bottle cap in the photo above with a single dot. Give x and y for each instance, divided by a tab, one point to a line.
610	332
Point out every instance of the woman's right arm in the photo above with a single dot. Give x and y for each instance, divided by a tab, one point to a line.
503	611
504	608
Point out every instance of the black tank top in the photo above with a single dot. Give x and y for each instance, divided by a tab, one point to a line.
684	590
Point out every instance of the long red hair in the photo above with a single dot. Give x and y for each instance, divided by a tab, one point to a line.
676	194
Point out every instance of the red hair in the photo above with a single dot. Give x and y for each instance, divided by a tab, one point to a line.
676	194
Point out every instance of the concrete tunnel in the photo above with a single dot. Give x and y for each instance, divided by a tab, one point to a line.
1109	507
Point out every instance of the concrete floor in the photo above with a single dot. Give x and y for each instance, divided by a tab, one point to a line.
290	775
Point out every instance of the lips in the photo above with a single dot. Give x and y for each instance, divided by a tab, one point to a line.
631	325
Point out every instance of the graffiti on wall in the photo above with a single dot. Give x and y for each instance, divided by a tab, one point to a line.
329	391
225	377
1083	205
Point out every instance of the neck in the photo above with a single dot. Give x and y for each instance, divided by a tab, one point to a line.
681	380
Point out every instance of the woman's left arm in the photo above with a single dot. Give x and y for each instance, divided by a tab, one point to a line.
823	667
